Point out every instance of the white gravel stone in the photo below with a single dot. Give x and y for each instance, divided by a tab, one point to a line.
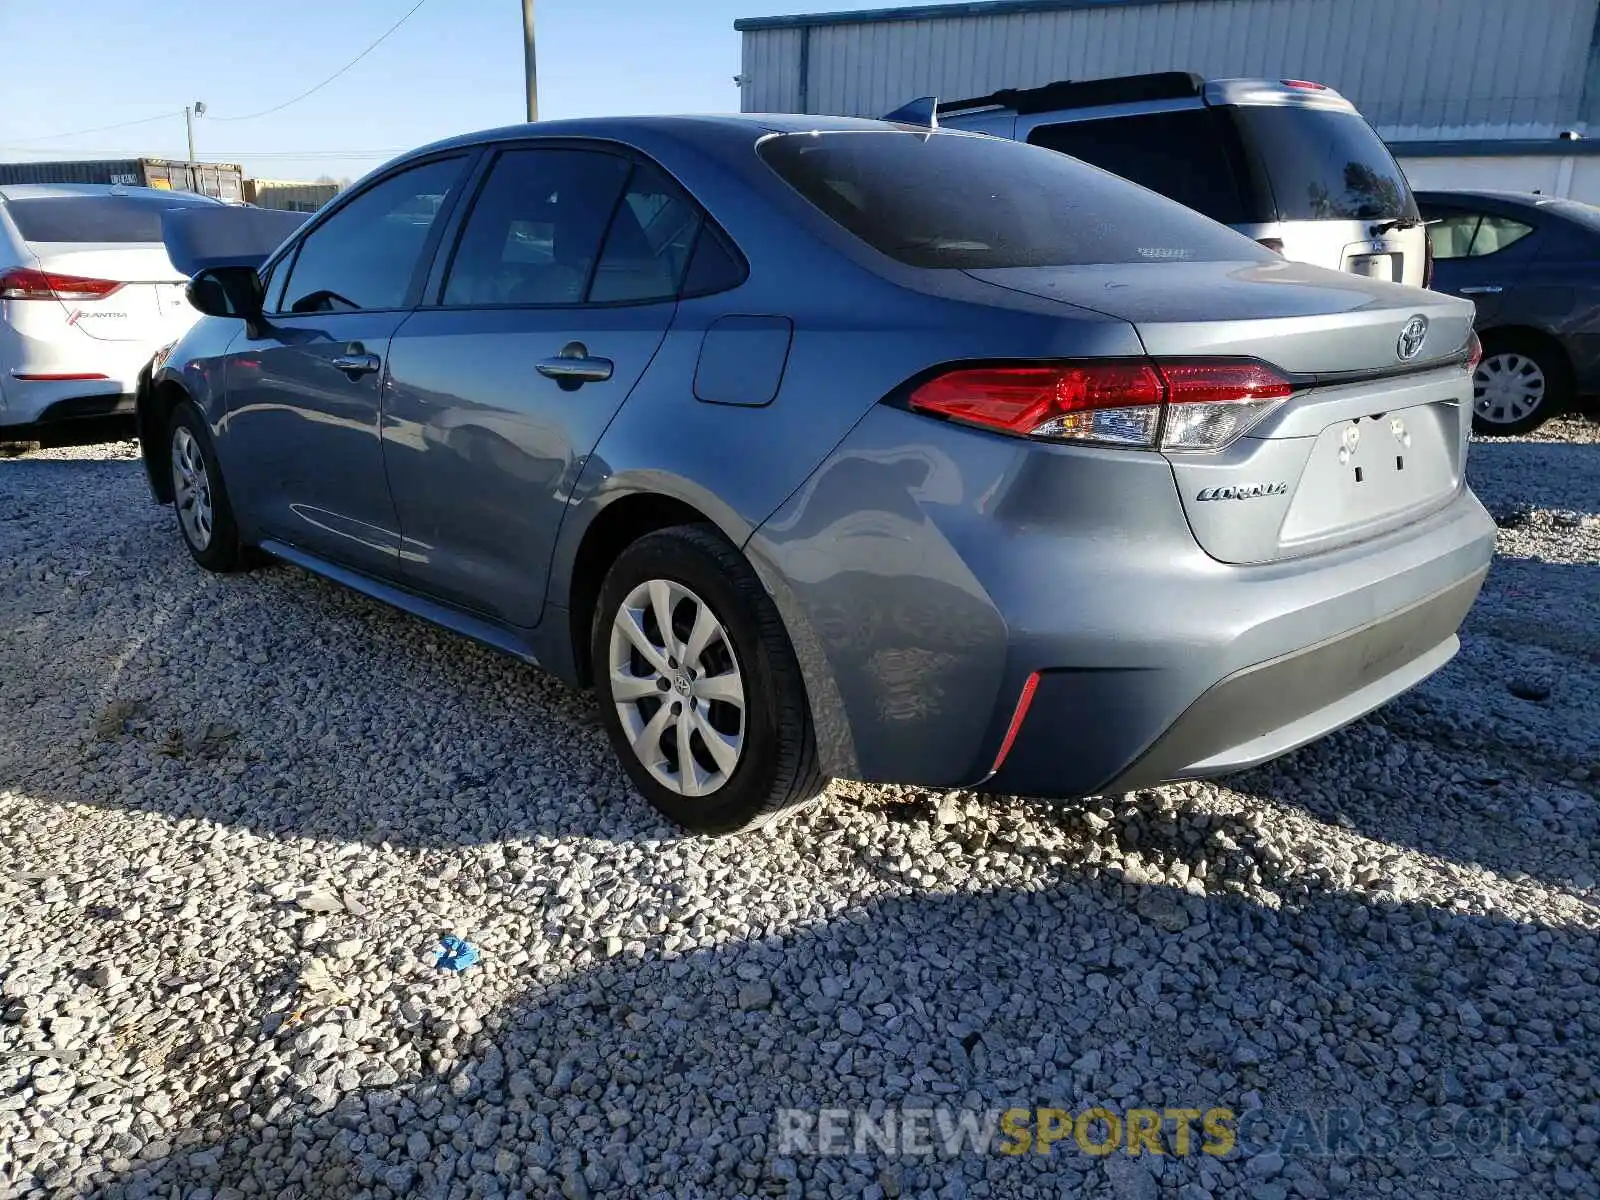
238	813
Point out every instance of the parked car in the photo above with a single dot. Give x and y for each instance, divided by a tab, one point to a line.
814	462
1288	162
1531	263
87	294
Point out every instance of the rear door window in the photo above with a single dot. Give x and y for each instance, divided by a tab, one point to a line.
1188	155
966	201
534	233
91	219
1324	164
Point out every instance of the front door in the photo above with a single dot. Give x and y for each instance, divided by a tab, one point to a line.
305	393
559	293
1480	256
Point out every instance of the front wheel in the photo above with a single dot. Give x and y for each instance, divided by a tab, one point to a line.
698	685
205	517
1520	383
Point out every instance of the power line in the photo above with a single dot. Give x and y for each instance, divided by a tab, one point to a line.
296	100
45	137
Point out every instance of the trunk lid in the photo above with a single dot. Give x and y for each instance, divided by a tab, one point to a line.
150	306
1369	442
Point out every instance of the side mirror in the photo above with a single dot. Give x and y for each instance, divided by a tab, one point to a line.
226	292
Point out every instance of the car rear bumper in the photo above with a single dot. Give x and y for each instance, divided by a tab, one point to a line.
1254	714
926	573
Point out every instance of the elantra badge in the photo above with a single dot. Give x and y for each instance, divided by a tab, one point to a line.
1411	338
1242	491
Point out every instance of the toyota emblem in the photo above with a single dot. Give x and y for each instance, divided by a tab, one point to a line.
1411	338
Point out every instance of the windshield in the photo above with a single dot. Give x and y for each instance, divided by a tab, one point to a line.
1324	164
967	201
95	218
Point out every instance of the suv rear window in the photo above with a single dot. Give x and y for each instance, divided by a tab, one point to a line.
95	218
1324	164
966	201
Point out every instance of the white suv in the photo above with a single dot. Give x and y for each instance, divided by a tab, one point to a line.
87	295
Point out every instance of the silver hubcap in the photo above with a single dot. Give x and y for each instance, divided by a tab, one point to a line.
191	488
676	683
1507	388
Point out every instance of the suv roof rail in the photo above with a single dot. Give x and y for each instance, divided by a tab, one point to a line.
1084	93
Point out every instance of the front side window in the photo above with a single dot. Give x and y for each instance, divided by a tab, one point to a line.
966	201
1186	155
535	231
366	255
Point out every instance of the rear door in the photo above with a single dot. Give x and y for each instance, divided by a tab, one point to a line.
557	295
1339	197
305	384
116	239
1479	255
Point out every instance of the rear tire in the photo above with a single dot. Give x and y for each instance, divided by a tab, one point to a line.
1521	383
698	686
199	498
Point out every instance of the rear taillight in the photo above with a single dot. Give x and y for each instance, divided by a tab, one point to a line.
1178	405
24	283
1474	352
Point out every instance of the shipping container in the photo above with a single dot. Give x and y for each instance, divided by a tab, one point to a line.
225	181
288	195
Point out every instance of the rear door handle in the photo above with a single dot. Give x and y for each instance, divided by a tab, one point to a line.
1485	289
574	367
355	361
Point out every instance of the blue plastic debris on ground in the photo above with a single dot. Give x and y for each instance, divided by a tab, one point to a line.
457	954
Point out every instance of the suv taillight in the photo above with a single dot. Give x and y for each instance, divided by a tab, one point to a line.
1195	404
1474	352
1427	260
24	283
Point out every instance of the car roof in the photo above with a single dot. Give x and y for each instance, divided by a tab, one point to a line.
1453	195
39	191
688	128
1072	94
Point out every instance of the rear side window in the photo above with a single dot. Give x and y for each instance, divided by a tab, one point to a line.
534	233
95	218
1474	235
1188	155
365	255
1324	164
967	201
651	238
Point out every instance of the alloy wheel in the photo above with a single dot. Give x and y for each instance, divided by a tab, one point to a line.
191	488
1507	388
678	688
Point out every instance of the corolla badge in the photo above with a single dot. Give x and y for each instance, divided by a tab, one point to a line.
1242	491
1411	338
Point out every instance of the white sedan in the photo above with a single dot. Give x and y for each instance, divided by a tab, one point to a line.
87	295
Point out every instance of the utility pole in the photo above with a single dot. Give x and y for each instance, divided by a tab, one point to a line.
532	65
190	112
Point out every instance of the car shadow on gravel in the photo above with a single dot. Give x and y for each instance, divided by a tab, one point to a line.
1083	992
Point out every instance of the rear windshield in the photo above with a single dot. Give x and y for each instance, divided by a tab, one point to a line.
1324	164
95	218
968	201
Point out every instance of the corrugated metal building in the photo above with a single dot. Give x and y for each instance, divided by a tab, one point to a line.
1469	92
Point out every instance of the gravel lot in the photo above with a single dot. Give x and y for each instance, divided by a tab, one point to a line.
237	815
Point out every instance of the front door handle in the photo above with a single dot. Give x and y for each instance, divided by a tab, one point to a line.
573	367
1482	289
356	361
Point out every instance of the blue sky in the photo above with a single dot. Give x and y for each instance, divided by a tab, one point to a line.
454	66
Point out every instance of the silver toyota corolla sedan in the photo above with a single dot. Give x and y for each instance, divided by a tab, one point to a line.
824	447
